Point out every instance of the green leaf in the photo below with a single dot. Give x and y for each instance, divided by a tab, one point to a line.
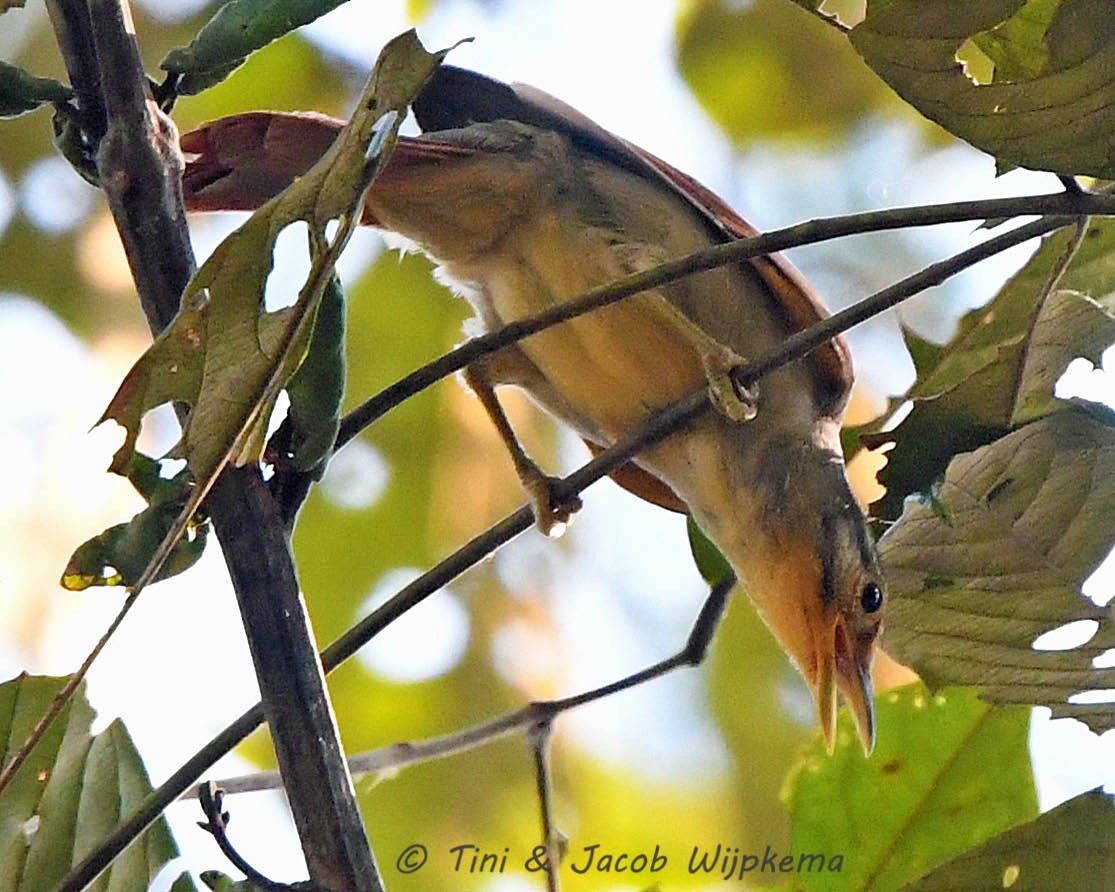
72	790
238	29
1068	848
1052	103
223	354
1027	520
317	388
999	370
948	772
119	555
21	91
711	564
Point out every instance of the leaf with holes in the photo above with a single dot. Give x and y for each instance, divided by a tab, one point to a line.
947	773
999	370
1025	521
1070	847
70	793
223	354
1051	105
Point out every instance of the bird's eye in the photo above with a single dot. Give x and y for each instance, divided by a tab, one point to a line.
871	598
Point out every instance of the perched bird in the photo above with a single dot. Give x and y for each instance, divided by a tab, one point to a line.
525	202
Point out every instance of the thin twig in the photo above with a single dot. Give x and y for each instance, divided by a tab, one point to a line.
399	755
657	427
216	821
538	737
58	703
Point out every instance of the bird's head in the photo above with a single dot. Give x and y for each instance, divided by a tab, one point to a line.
808	563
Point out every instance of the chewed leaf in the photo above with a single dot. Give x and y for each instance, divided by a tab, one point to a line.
1000	368
224	355
1051	105
119	555
1028	519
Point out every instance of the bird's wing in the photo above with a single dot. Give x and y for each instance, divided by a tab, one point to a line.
239	162
455	98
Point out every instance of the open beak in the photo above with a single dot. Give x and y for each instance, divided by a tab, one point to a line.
840	666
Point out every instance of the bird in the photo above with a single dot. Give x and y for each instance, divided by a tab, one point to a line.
524	202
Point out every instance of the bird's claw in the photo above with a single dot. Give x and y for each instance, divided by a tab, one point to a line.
738	403
552	507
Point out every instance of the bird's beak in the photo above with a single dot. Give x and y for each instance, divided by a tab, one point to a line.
840	666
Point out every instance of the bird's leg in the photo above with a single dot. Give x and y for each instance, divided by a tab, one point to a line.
738	403
551	509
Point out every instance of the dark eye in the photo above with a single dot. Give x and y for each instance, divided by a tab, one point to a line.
871	598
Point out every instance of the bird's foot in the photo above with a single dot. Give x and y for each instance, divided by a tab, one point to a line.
552	507
731	399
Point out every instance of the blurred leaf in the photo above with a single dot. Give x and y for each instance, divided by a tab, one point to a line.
399	318
290	76
5	5
70	793
711	564
21	91
1068	848
237	29
763	70
999	370
948	772
119	555
1052	103
1025	522
765	713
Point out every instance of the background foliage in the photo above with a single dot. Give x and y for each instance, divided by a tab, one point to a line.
734	758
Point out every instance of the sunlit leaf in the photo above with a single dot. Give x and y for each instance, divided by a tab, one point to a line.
1070	847
1025	521
999	370
1051	105
947	773
70	793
